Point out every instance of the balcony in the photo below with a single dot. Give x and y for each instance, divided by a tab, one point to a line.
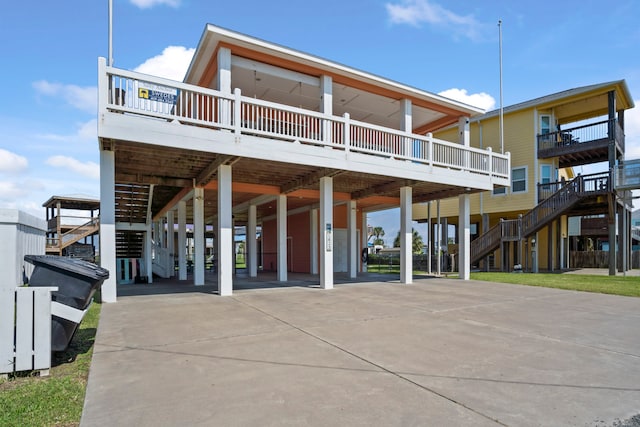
194	106
581	145
168	136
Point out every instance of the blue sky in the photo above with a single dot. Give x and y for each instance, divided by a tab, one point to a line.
49	54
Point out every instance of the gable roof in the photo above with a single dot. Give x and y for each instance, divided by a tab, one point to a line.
624	100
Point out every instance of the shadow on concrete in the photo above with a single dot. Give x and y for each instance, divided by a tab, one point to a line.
242	282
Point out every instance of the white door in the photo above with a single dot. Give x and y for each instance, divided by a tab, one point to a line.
340	250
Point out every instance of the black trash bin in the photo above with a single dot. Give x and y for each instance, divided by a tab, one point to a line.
77	282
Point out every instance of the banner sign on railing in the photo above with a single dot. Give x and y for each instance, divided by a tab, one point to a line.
154	92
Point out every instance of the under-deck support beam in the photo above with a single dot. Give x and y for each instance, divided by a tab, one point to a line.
282	236
406	236
252	246
108	224
326	232
198	236
224	235
182	240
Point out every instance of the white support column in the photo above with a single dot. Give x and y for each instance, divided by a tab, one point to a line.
226	262
159	233
326	232
148	251
182	240
406	124
464	211
198	236
282	236
438	240
108	224
326	105
252	246
352	240
364	239
171	242
406	236
313	230
224	83
224	70
430	239
464	232
406	119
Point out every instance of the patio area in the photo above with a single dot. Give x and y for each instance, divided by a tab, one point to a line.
369	352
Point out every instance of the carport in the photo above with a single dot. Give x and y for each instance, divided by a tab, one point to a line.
259	134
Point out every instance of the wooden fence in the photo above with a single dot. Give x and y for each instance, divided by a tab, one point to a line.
598	259
25	329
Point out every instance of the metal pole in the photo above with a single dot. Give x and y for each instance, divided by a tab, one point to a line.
110	62
501	108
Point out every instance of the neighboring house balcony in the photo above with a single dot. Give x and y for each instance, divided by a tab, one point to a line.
582	145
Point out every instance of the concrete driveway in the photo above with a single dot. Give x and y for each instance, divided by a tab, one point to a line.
438	352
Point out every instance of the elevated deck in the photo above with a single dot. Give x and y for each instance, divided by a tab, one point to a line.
169	136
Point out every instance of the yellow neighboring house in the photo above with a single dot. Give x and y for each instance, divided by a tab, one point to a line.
551	139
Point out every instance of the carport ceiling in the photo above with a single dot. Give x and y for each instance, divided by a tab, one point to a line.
167	173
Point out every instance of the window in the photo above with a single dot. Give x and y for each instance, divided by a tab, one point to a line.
545	125
519	180
545	174
500	190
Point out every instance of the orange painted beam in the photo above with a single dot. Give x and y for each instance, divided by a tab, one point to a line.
315	194
173	202
243	187
380	200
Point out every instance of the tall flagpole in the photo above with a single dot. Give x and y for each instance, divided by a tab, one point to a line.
110	62
501	108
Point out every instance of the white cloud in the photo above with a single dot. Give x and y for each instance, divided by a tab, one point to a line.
86	169
172	63
12	162
10	190
88	131
82	98
14	193
146	4
415	12
480	100
85	132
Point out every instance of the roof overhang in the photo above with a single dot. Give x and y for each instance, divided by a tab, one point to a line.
203	68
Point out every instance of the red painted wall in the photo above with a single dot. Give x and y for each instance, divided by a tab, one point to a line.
298	260
269	246
298	228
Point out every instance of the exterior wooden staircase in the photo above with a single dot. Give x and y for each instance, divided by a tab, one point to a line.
561	198
56	245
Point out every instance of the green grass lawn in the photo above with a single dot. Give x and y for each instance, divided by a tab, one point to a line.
56	400
616	285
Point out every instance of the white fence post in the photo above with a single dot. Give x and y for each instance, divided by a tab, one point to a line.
31	308
237	111
346	138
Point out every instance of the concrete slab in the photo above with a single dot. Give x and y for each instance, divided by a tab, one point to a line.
437	352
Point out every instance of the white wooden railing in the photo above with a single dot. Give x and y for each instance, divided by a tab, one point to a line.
25	329
162	99
162	262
